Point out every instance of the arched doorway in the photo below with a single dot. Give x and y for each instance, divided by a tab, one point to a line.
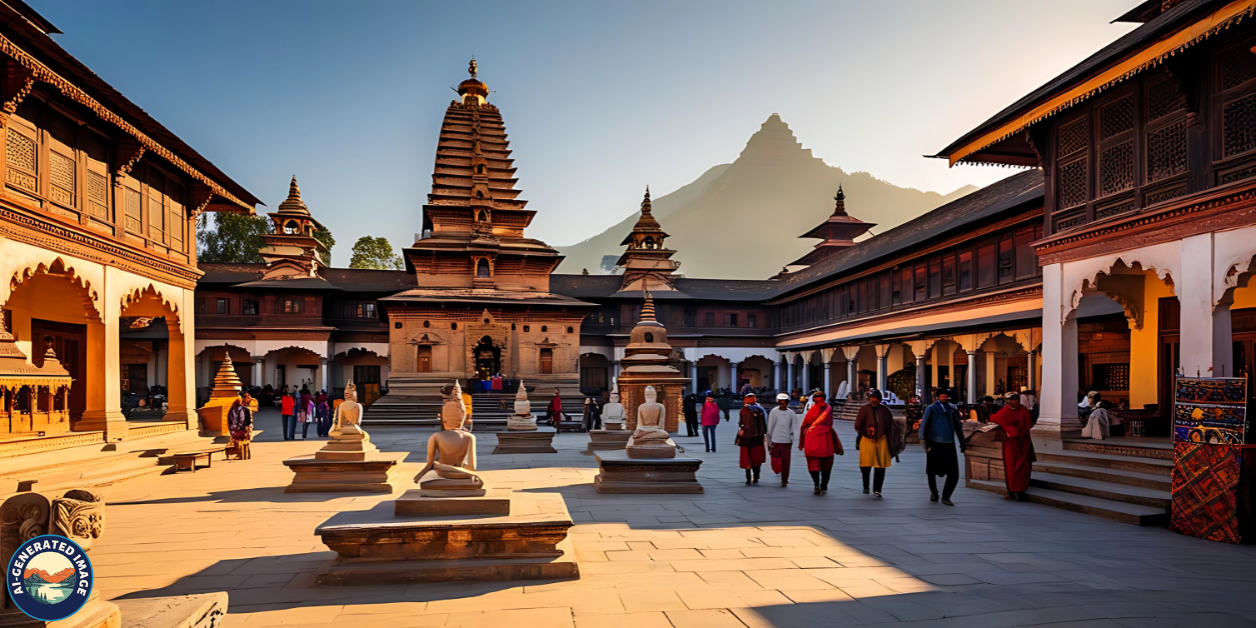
488	358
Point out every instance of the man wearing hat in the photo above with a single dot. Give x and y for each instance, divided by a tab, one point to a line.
939	430
1018	449
783	427
752	428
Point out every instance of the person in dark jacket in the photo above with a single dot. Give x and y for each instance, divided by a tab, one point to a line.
752	427
940	430
875	425
690	411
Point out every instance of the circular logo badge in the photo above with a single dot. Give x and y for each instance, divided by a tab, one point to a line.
49	577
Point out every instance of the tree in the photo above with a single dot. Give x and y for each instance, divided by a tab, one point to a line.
324	236
374	253
234	238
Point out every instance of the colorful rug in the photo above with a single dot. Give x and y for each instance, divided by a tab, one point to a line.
1205	479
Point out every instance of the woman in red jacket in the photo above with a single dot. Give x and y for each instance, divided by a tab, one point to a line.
288	411
819	442
710	419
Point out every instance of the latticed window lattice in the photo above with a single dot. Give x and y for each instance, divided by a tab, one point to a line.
1164	98
1238	66
134	211
1074	137
1116	168
62	177
98	195
1072	184
20	151
1238	125
1166	151
1117	117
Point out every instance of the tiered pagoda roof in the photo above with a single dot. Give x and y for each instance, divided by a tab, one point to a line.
836	234
648	265
474	220
291	249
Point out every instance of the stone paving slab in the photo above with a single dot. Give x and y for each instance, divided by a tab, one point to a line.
737	555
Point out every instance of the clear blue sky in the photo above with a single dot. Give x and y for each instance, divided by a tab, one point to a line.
600	98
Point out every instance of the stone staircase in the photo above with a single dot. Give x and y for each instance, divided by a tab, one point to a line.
97	465
489	411
1126	481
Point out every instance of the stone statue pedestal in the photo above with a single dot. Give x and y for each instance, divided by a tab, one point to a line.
315	475
538	442
608	439
351	443
651	449
618	473
411	540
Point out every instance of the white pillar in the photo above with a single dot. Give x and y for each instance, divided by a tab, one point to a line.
324	371
693	373
972	377
1206	331
920	376
852	374
828	381
1057	416
732	373
883	367
257	373
789	381
779	377
806	376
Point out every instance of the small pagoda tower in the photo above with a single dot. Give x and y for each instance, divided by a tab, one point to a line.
227	386
292	250
647	264
33	399
645	363
836	234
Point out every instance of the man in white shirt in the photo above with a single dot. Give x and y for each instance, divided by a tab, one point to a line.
783	426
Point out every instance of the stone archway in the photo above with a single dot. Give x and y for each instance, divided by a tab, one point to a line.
150	303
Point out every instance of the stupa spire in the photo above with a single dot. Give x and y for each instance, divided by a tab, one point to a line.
226	382
647	310
839	206
293	204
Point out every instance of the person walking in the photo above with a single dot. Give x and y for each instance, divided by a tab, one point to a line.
322	411
554	412
783	426
710	420
690	411
819	442
751	430
1018	448
288	411
875	426
939	430
307	416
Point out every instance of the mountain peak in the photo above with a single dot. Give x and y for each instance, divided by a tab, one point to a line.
774	141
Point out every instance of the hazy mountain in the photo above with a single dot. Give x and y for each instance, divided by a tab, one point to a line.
39	575
742	220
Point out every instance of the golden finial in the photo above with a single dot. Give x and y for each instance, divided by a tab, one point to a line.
473	67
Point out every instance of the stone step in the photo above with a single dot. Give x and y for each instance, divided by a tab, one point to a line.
1154	466
1133	478
1115	511
1155	451
1154	498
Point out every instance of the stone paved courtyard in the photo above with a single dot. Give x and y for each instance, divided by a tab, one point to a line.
738	555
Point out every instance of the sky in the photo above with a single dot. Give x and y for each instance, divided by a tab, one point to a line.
599	98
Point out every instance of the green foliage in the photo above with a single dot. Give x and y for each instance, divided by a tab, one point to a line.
375	253
233	239
324	236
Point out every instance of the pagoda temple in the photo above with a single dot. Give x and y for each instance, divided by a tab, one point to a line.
647	264
481	304
291	249
836	234
646	362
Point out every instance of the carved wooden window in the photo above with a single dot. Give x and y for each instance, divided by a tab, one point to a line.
1072	144
1165	130
294	306
156	207
23	158
95	154
1236	88
134	210
1238	125
177	227
62	166
1116	146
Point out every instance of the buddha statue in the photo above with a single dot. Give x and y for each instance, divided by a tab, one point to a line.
650	419
451	451
613	413
521	420
650	439
347	439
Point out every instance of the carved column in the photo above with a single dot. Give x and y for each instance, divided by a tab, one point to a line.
180	384
972	377
778	376
789	379
883	366
103	410
1058	398
735	386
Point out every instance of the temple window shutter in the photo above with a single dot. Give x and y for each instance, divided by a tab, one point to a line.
156	209
133	207
1072	143
95	155
62	165
21	149
178	216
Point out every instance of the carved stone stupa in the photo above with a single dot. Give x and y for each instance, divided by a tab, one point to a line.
521	435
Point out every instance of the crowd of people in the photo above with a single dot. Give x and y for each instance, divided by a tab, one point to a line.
764	436
303	407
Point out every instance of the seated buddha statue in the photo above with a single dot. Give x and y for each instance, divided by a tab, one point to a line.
451	451
347	440
650	419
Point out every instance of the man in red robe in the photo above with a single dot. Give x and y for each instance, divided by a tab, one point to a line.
554	413
1018	449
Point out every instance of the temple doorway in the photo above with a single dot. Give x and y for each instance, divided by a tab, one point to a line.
488	358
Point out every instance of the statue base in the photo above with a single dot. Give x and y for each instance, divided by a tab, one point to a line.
613	426
618	473
462	485
525	443
344	476
608	439
425	503
518	423
380	547
651	449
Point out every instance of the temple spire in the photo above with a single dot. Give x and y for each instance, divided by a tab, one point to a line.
839	206
473	67
293	204
647	310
